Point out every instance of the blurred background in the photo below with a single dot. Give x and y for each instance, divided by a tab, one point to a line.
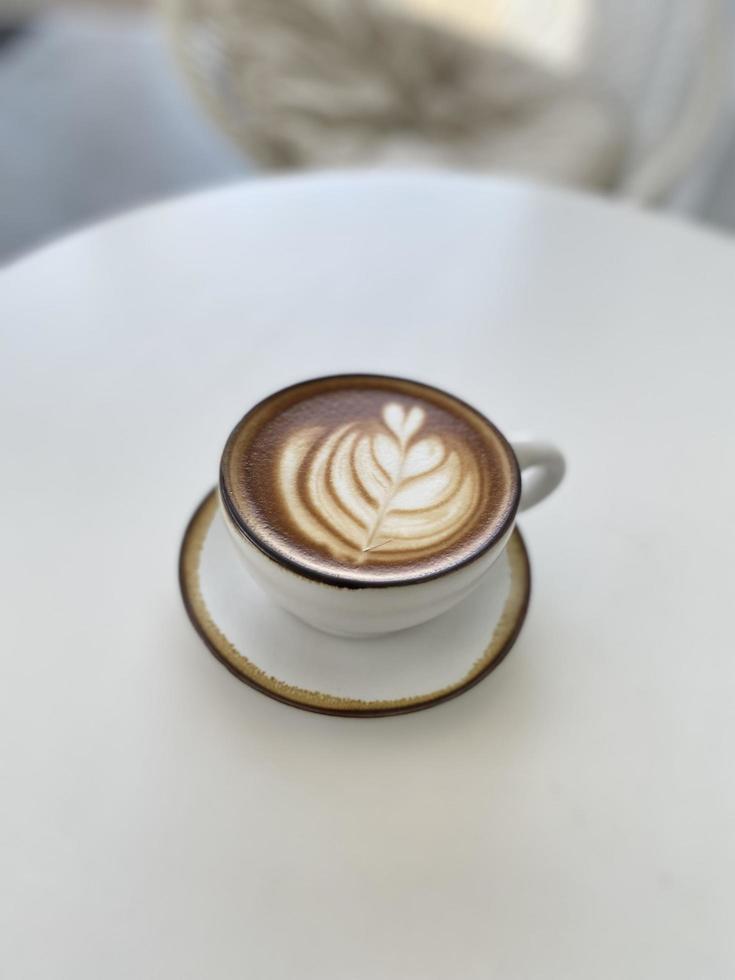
105	106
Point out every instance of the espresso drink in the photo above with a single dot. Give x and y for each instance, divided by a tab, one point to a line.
365	480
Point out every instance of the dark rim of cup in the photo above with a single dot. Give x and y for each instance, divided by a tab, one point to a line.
303	568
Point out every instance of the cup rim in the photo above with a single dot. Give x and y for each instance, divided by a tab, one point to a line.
301	568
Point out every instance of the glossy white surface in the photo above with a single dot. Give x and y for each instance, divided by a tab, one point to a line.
412	662
370	612
358	613
572	816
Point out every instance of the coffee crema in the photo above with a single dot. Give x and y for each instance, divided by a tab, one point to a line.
366	480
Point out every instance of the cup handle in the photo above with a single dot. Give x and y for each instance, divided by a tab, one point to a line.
542	470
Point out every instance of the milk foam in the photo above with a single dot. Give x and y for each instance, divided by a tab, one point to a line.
368	480
387	485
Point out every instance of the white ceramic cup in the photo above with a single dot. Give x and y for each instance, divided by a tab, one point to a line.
369	610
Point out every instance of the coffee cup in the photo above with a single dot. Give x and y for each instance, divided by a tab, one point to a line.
365	504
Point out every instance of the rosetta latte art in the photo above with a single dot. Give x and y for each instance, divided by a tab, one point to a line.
382	490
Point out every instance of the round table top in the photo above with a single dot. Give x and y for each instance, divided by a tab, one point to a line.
570	817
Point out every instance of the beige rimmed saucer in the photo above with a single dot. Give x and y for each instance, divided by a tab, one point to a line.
277	654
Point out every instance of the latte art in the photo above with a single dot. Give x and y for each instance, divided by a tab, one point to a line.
364	480
383	489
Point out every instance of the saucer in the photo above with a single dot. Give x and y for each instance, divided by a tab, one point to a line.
277	654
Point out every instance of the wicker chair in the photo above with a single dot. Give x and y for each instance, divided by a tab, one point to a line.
665	61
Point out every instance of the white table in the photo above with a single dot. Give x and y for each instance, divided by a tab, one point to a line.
571	817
